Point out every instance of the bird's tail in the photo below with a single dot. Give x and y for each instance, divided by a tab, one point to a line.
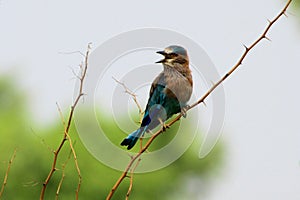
133	137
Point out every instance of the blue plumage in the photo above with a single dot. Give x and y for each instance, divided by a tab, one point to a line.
133	137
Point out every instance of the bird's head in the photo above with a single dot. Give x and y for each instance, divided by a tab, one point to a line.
174	54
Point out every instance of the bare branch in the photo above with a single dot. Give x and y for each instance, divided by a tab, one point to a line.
72	152
7	172
68	125
131	179
61	115
239	62
201	100
62	176
132	94
73	52
77	167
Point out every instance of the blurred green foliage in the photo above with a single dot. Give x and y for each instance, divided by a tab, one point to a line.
295	9
297	4
34	158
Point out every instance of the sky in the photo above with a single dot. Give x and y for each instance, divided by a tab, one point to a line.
260	129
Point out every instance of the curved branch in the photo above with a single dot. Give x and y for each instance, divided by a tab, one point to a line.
201	100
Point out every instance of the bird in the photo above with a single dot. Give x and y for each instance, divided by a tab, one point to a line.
169	93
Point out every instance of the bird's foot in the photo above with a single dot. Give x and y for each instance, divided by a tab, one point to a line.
164	126
184	109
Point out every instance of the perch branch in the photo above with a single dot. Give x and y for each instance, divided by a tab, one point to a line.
201	100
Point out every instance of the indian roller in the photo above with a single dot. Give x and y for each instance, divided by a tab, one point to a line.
169	93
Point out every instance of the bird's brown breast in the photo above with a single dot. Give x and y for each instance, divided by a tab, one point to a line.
178	85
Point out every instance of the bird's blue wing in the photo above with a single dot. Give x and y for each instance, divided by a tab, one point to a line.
153	111
160	105
156	99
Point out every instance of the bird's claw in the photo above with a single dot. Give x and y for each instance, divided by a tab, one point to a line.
165	126
184	109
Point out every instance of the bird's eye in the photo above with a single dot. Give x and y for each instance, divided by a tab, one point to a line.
171	55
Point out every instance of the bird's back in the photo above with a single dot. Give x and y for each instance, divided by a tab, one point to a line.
167	95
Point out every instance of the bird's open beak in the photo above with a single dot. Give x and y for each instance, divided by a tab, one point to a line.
162	53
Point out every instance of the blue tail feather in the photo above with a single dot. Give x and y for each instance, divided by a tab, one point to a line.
133	137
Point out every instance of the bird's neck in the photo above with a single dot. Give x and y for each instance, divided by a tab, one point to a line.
178	69
182	69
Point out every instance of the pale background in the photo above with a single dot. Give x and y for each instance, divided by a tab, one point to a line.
261	130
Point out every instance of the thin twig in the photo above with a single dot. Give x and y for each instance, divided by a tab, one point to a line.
201	100
131	179
73	52
62	175
7	172
43	141
134	97
66	131
77	167
74	155
61	115
133	159
132	94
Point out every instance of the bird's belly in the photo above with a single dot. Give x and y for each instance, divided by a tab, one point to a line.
180	89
